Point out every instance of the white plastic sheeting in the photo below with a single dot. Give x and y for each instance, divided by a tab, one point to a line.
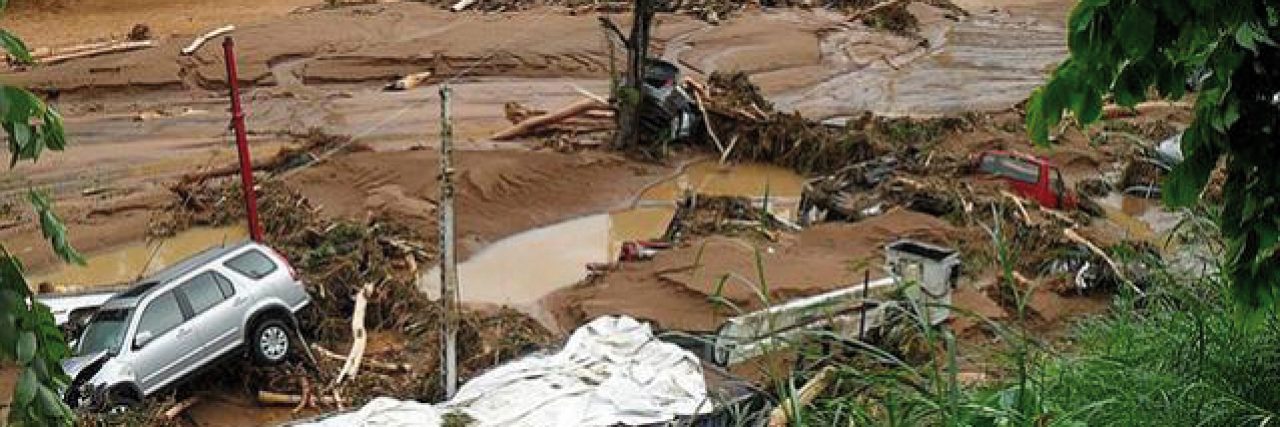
611	371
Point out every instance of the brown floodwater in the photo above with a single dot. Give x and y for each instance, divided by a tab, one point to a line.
1140	218
522	269
711	178
127	263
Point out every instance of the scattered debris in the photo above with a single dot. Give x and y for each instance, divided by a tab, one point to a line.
575	117
409	81
140	32
200	41
89	50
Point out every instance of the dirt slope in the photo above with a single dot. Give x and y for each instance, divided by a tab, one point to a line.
671	291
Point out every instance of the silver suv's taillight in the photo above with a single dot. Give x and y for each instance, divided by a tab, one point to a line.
293	273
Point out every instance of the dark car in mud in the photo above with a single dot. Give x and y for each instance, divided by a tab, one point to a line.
667	111
183	319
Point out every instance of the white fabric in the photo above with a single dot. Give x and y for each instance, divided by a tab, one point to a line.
611	371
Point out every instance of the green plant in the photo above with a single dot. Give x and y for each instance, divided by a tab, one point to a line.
28	334
1226	48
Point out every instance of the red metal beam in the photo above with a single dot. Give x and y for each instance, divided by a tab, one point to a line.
242	143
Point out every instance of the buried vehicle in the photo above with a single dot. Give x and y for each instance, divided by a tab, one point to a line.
1029	176
182	319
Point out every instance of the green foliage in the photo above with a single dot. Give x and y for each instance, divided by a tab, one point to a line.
29	337
1126	47
28	334
1178	356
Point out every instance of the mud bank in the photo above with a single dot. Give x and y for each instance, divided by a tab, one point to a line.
674	289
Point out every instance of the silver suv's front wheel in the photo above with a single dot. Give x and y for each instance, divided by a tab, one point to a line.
270	343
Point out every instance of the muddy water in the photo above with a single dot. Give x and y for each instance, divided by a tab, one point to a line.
522	269
1139	217
519	270
126	263
749	180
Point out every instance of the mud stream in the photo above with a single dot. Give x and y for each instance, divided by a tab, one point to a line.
520	270
125	264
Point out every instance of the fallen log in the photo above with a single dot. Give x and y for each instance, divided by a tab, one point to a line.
375	364
1113	111
462	5
359	336
531	124
181	407
781	415
409	81
112	48
1026	217
308	397
200	41
706	121
283	399
40	53
1115	268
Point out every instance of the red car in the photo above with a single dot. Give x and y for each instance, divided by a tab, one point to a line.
1029	176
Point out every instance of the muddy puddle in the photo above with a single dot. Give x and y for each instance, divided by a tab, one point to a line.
125	264
1140	218
522	269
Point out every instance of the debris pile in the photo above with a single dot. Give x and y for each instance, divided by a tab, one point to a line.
745	127
580	124
703	215
357	270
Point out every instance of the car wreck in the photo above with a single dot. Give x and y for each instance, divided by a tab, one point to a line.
183	319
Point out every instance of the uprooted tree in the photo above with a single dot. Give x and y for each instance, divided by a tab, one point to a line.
28	334
1225	49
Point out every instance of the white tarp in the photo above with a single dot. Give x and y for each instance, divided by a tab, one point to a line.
611	371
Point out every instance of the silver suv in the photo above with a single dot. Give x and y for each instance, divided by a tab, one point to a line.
182	319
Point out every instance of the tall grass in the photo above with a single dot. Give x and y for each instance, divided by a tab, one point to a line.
1181	355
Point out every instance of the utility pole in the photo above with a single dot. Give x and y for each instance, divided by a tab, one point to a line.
630	97
242	142
448	265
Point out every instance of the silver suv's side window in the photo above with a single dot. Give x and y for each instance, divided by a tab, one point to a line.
202	292
228	290
161	315
252	264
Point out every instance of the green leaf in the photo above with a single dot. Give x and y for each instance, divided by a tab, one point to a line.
55	134
1137	31
1037	130
8	333
51	404
1247	38
25	391
1089	109
26	347
1230	114
52	228
16	48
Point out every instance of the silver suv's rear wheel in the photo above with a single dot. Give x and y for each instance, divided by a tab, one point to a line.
270	342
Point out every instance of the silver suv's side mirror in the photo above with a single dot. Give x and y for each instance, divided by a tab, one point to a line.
142	338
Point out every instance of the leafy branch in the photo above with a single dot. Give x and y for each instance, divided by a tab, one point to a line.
1227	50
29	335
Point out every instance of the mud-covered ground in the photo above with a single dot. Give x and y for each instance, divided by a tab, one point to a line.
140	120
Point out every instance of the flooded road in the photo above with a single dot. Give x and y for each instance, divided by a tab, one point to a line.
1140	218
522	269
127	263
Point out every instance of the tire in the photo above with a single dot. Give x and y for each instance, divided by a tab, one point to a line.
270	342
119	400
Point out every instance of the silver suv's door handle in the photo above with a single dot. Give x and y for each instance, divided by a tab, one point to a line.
240	300
184	331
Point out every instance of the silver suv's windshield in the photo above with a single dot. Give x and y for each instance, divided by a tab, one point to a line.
105	332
